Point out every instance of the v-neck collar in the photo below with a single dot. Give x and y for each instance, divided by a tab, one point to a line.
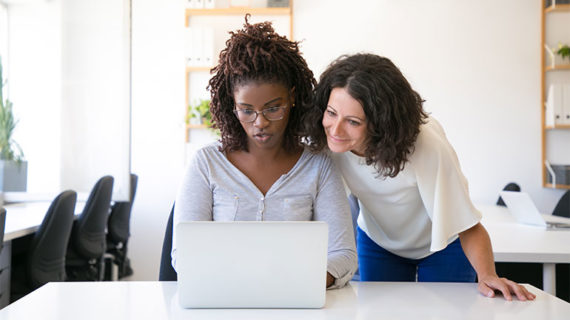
277	182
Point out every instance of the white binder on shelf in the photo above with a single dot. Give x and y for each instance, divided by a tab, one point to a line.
565	117
554	100
208	46
194	4
209	4
194	47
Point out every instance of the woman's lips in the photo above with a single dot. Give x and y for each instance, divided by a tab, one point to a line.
262	137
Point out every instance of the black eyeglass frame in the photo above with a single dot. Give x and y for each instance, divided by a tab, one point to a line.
237	113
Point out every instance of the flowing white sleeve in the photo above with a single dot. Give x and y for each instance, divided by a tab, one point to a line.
442	186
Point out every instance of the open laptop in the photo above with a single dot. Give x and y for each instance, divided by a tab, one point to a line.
251	264
523	209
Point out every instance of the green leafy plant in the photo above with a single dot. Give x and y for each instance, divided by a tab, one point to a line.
200	111
9	149
563	51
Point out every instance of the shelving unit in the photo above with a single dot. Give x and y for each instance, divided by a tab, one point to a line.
232	11
554	138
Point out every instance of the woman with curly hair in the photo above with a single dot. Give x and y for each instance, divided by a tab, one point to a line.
260	170
416	219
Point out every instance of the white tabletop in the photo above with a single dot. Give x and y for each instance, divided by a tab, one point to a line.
514	242
358	300
25	218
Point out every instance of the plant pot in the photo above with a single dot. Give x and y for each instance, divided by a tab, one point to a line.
13	175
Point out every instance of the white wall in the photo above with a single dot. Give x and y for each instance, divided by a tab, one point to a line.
477	63
157	126
69	82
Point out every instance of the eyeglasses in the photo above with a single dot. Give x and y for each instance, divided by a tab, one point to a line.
271	114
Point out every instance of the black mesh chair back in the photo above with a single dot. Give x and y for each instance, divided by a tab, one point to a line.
46	256
562	209
2	226
88	234
167	272
509	187
119	219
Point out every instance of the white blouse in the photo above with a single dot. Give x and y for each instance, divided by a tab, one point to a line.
423	208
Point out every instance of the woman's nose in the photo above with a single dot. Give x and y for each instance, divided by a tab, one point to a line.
260	121
335	128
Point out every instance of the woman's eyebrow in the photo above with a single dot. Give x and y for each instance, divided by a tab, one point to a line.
347	117
268	102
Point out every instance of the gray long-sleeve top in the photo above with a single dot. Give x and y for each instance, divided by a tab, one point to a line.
214	189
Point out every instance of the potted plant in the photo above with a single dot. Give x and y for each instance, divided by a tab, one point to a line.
13	169
201	112
563	51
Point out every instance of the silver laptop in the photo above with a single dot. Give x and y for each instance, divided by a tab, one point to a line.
251	264
523	209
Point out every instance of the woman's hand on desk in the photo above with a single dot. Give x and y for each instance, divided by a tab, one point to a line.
488	285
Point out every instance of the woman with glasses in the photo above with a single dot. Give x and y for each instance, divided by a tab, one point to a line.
416	222
259	170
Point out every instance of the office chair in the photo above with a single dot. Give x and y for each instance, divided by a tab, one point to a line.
44	259
84	259
562	208
2	226
118	233
167	272
509	187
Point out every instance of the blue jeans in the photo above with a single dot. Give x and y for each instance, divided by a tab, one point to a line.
377	264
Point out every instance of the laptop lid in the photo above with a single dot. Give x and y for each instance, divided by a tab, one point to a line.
522	208
251	264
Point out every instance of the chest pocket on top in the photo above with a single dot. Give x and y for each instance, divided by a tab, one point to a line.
225	205
298	208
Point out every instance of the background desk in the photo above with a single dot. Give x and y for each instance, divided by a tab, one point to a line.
359	300
25	218
513	242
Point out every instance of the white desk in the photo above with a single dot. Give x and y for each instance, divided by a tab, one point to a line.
513	242
359	300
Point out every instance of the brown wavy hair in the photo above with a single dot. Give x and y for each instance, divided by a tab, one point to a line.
393	110
256	53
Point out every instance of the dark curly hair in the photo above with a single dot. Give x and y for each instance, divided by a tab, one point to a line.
393	110
257	54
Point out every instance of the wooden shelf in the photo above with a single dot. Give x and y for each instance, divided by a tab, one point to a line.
547	13
236	11
198	68
558	186
561	126
558	67
558	8
196	126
